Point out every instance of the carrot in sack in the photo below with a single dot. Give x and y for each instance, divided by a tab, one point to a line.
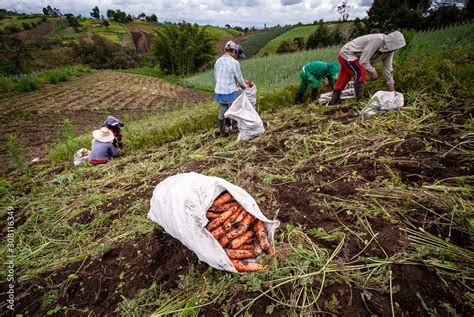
246	247
240	254
237	232
218	233
237	242
241	216
243	266
212	215
228	223
261	234
223	199
222	208
220	220
257	248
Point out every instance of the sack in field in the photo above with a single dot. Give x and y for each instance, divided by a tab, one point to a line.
243	111
179	205
81	157
383	101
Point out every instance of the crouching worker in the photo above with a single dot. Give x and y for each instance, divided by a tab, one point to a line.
114	125
102	148
358	56
312	74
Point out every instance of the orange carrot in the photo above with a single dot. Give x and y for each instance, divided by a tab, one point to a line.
243	266
237	242
218	233
245	247
228	223
261	234
222	208
212	215
240	254
241	216
240	230
223	199
220	220
271	250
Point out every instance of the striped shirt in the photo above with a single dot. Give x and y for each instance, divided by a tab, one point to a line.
227	74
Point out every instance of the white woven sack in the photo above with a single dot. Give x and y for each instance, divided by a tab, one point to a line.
179	205
243	111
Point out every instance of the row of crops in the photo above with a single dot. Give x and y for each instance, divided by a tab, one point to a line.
255	43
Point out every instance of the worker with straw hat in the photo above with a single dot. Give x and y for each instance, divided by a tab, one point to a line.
102	147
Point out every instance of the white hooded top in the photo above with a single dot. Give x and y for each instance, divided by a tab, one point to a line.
371	48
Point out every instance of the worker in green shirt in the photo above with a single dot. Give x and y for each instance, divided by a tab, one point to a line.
312	74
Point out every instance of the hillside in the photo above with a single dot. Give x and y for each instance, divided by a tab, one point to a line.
300	31
376	214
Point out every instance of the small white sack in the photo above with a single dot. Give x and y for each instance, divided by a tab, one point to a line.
383	101
179	205
81	157
243	111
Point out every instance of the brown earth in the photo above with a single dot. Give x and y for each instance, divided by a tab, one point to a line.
36	117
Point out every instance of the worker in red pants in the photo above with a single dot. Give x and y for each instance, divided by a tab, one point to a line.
358	56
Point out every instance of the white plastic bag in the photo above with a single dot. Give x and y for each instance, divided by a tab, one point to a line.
243	111
81	157
179	205
383	101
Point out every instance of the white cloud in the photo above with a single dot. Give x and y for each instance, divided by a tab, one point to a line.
215	12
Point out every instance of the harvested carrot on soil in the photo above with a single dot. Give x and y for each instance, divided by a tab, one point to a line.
243	266
223	199
240	254
237	242
220	220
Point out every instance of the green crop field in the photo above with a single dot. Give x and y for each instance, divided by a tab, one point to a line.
298	31
270	72
218	32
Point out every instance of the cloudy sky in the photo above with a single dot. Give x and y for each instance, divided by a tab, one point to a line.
215	12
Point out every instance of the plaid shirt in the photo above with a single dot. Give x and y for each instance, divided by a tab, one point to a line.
227	73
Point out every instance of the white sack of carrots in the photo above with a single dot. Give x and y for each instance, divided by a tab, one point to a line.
179	205
243	111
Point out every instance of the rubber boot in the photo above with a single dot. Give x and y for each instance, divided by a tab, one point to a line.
314	94
222	129
359	90
298	97
234	125
335	98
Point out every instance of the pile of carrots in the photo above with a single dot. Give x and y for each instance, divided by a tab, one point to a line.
240	234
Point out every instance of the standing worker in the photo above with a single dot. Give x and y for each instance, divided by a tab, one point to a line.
312	74
358	56
228	75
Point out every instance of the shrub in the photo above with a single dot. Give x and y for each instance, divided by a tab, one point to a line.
183	48
25	84
6	85
16	152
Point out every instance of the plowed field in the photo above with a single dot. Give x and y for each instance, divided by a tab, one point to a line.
36	117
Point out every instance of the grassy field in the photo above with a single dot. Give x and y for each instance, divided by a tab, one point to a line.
298	31
376	214
218	32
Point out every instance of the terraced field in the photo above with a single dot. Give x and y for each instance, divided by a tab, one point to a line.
86	101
